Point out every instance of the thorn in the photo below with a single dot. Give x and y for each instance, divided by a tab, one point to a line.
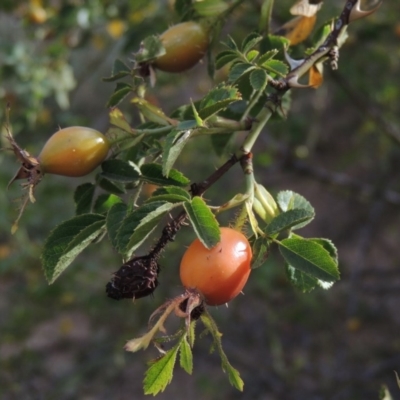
291	61
293	83
357	13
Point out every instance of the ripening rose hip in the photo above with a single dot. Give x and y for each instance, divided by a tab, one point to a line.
220	273
185	45
74	151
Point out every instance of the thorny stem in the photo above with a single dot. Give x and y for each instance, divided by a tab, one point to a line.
324	50
197	189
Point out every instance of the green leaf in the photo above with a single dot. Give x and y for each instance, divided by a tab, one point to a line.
250	42
83	198
120	92
288	200
115	216
146	226
218	99
160	373
175	141
274	42
120	70
267	56
300	280
186	356
120	171
225	57
252	55
111	187
171	194
185	125
288	220
230	43
146	217
276	66
203	220
67	240
104	202
150	48
238	70
309	257
152	173
258	79
328	246
260	248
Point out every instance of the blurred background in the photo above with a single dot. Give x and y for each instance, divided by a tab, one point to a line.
338	147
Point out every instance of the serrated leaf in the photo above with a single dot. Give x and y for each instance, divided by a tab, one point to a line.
147	216
328	246
104	202
309	257
111	187
225	57
267	56
238	70
300	280
276	66
250	42
288	200
203	221
252	55
260	249
230	43
83	198
120	92
120	171
115	216
175	141
146	226
218	99
152	173
274	42
150	48
120	70
289	220
171	194
258	79
186	356
67	240
160	373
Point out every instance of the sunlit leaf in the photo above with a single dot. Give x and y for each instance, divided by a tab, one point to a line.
152	173
67	241
310	258
203	221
